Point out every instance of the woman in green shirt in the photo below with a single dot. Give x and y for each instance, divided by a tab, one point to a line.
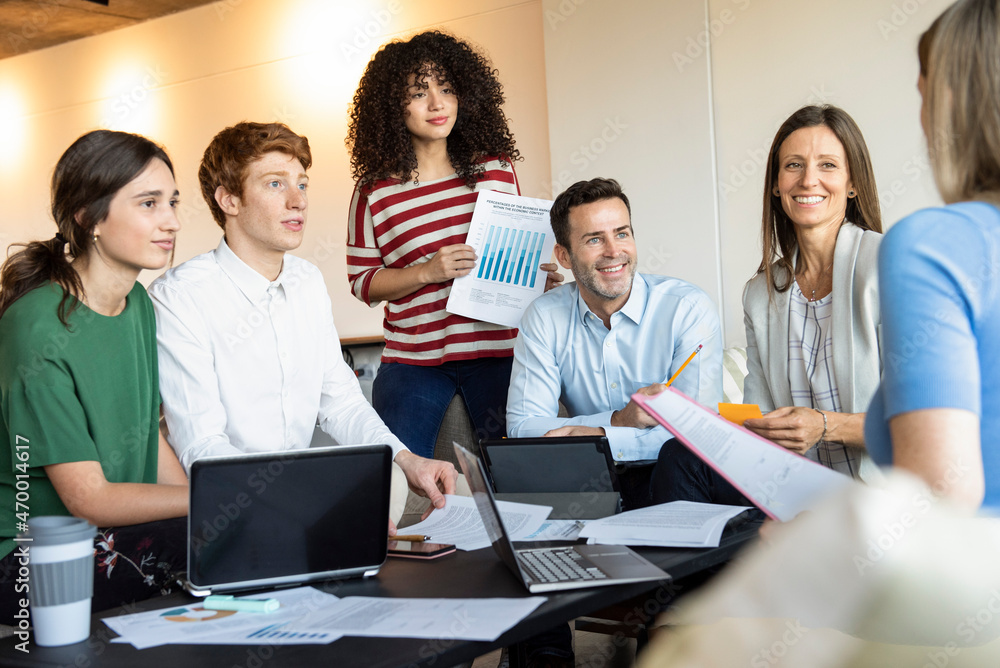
79	397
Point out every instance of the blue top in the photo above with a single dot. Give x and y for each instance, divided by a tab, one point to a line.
563	350
940	298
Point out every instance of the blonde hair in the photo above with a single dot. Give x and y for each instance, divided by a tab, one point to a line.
960	59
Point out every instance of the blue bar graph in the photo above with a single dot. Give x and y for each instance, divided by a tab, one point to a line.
273	631
511	256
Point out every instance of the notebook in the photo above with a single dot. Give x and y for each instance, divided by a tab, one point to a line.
285	518
553	568
573	475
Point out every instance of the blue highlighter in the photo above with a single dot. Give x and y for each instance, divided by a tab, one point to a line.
241	604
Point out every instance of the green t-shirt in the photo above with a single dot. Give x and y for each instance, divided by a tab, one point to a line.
87	393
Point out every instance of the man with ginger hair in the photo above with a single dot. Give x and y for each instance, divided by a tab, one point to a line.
249	356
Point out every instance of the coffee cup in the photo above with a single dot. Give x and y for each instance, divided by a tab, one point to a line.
61	578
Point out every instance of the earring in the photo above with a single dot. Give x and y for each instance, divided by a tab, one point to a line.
777	193
94	234
850	193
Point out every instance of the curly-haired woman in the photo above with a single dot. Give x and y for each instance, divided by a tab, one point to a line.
427	133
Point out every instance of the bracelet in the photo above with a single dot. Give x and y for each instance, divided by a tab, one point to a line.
823	435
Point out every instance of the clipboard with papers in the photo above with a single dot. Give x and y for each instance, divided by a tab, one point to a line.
778	481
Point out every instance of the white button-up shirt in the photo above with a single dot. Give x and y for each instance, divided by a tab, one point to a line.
251	365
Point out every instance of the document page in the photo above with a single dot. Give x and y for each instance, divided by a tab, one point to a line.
454	618
459	523
780	482
674	524
194	625
512	236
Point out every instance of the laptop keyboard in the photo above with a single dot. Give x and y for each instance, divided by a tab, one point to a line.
559	564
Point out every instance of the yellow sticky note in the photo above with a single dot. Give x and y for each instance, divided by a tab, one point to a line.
739	412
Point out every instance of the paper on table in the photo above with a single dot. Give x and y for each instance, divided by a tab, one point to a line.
737	413
512	236
453	618
779	482
459	523
674	524
192	624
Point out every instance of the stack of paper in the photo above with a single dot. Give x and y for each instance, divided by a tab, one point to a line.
194	625
309	616
674	524
460	524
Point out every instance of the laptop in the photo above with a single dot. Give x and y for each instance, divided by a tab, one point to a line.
543	569
285	518
574	475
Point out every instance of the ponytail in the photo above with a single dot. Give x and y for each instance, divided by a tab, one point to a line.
36	264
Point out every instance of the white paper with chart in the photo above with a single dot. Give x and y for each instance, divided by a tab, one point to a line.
512	236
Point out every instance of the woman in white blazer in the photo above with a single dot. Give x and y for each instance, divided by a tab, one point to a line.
812	311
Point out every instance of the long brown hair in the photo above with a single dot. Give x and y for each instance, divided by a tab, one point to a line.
85	180
777	229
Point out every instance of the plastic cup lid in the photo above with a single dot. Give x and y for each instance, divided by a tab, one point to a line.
59	530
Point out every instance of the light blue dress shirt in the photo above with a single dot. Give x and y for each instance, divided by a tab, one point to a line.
564	351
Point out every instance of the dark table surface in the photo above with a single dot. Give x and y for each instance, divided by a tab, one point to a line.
459	575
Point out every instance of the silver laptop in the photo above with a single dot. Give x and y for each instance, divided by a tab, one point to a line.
553	568
285	518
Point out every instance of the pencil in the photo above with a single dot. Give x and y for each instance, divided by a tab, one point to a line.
413	538
686	362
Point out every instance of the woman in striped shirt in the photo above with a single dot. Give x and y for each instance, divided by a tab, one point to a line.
427	132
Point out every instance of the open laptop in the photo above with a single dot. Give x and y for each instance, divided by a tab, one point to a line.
553	568
285	518
574	475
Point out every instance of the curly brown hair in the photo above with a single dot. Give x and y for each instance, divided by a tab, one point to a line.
377	137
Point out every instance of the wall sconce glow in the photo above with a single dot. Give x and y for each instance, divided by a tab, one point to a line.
338	40
13	127
130	99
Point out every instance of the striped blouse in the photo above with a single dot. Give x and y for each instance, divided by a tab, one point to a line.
398	224
810	373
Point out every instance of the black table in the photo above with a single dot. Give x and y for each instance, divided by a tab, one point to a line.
459	575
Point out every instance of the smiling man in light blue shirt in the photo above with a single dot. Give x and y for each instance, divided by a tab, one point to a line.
595	342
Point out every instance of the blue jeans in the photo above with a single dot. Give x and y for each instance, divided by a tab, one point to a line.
412	399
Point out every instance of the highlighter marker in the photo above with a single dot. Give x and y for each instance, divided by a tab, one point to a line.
241	604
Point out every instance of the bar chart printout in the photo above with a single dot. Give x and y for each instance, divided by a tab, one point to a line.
512	237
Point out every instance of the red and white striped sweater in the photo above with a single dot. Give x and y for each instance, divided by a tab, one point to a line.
398	224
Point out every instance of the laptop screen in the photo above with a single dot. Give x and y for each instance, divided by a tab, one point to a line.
474	472
524	465
285	517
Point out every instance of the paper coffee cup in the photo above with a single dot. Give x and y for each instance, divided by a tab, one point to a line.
61	572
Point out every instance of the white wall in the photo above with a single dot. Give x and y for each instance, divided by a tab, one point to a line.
679	99
702	86
775	56
182	78
620	108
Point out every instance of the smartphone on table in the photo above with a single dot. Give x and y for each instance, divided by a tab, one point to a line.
418	550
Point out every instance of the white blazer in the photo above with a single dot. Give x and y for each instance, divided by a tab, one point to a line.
857	363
